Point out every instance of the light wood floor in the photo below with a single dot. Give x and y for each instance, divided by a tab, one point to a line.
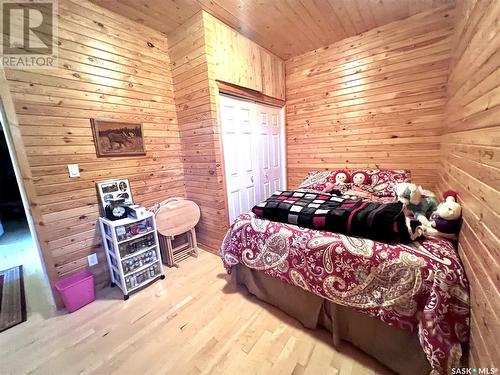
193	322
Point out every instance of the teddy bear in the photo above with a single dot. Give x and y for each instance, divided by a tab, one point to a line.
341	178
419	202
446	219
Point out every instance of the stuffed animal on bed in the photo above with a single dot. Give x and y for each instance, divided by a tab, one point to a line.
419	202
361	178
341	178
446	220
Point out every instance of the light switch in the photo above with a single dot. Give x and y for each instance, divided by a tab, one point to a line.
73	170
92	259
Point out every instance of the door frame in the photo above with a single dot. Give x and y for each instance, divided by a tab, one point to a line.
4	124
20	164
223	91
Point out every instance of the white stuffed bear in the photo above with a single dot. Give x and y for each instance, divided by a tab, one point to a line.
446	220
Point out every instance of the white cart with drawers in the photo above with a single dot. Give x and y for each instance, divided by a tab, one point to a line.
132	251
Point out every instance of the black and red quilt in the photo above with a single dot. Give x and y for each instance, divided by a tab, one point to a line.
377	221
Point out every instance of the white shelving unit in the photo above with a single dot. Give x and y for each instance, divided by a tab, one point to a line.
132	251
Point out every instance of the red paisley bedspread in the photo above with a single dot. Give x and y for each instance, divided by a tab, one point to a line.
418	287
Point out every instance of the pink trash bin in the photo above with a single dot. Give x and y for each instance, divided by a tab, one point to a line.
77	290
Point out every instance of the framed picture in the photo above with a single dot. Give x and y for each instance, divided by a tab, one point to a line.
117	138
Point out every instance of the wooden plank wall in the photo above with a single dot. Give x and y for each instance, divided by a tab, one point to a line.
196	100
109	68
470	157
373	100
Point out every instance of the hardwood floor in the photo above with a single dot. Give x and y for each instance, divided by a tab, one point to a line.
193	322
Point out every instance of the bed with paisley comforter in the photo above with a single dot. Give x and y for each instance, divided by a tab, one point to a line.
420	287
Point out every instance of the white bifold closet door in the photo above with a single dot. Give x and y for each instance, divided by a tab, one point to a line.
253	141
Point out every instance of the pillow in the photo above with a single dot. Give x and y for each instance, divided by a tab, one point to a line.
316	180
384	180
366	193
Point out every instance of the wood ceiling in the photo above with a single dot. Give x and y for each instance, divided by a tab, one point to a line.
285	27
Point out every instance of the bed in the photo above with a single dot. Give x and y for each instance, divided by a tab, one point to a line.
418	290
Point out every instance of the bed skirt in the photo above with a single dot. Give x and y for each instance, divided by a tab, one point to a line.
398	350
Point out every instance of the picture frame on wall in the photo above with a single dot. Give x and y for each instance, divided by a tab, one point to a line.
117	138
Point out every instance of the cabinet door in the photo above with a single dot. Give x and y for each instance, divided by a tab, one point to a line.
240	154
237	59
273	75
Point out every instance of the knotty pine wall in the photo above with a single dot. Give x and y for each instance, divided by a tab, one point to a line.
470	158
196	100
373	100
109	67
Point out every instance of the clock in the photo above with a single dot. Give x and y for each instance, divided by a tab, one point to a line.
116	209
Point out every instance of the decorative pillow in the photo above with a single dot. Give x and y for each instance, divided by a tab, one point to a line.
316	180
384	180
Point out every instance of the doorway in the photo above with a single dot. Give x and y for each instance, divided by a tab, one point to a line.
20	260
253	146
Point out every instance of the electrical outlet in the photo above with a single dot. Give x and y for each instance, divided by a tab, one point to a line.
74	170
92	259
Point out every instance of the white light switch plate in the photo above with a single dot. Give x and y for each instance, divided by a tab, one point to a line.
73	170
92	259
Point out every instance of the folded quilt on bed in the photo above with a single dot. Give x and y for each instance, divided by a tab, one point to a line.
377	221
418	287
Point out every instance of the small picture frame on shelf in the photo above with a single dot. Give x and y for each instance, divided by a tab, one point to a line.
110	190
117	138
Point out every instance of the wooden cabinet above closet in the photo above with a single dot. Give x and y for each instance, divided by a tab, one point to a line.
273	74
241	62
237	59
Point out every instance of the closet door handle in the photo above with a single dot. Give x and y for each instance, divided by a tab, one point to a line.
251	179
